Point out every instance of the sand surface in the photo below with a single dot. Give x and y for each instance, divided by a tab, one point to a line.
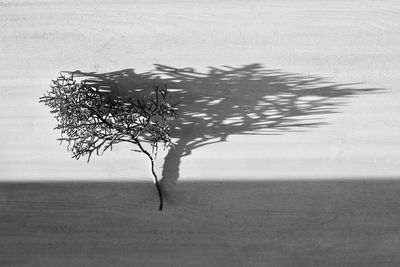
335	223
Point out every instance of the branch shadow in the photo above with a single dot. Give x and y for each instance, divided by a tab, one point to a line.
245	100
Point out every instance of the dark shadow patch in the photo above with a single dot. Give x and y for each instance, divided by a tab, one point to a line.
247	100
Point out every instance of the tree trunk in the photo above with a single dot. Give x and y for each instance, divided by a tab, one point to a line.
156	183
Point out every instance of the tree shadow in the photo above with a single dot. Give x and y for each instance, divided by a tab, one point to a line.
246	100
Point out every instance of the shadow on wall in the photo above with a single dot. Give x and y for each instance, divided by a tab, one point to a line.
247	100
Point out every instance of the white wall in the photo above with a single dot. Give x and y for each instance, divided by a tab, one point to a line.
346	41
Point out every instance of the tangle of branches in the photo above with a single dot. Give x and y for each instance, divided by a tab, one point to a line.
92	121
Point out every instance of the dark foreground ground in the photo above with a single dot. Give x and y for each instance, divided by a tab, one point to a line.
302	223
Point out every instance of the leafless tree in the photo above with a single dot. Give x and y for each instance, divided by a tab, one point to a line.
91	120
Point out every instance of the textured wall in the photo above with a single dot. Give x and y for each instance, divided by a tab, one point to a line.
347	42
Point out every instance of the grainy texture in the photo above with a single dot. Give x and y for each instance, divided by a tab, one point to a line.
344	41
302	223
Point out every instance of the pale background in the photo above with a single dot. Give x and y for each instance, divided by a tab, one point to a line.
345	41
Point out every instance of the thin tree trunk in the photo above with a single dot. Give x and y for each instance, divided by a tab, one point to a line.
160	207
156	183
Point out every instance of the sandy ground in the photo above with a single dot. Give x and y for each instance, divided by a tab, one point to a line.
298	223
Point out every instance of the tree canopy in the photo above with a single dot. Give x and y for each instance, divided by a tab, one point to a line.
92	120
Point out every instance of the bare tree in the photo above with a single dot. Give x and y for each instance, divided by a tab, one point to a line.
91	120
